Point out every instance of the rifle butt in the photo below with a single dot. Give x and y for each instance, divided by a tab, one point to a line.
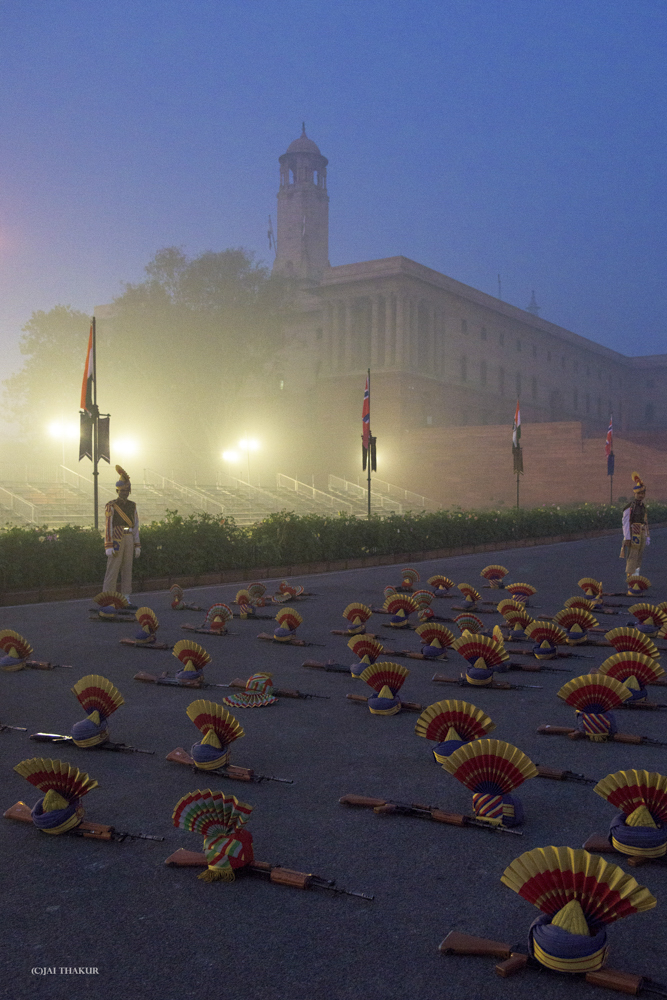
515	963
627	738
358	698
457	943
612	979
546	730
146	678
361	800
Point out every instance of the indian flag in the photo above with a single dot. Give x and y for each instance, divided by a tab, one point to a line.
516	429
88	378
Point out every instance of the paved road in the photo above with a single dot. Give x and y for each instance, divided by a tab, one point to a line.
160	933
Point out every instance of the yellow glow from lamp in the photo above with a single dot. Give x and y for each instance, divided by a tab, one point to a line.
125	447
63	431
230	456
249	444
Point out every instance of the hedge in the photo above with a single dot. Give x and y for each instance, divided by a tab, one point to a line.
198	544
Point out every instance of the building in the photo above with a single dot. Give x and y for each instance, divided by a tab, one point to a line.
441	353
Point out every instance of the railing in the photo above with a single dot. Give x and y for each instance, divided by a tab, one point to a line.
76	480
15	504
202	499
359	493
415	499
287	483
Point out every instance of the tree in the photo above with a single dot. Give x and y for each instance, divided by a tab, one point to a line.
48	386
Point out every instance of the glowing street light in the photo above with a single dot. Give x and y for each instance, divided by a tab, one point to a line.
63	431
231	456
125	447
249	444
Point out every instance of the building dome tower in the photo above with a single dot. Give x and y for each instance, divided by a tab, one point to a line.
303	211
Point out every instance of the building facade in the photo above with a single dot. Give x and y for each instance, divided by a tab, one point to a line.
441	353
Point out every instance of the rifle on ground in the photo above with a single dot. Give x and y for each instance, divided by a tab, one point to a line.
457	943
406	706
494	686
46	665
599	844
271	873
329	666
208	631
18	729
560	655
576	734
170	681
557	775
88	829
385	807
181	756
288	642
57	738
277	692
145	645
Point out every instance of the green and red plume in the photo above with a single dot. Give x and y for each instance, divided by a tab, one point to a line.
217	617
467	622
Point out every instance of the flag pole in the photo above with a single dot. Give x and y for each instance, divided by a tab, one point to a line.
370	446
95	419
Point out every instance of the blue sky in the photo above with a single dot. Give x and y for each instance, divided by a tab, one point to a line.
525	139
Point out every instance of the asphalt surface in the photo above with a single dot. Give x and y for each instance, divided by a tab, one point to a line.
159	932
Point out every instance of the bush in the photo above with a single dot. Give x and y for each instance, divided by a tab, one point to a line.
191	546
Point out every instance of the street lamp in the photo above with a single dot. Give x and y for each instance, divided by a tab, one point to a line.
247	445
63	431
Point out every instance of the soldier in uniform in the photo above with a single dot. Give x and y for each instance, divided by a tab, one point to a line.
635	529
121	537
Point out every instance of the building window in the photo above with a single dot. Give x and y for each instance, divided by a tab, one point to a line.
518	345
483	334
464	326
517	383
501	339
534	388
482	372
501	381
464	368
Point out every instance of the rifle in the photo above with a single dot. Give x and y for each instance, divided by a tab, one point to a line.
171	681
457	943
145	645
278	692
288	642
18	729
560	655
181	756
88	829
557	775
57	738
407	706
329	666
576	734
46	665
264	870
495	685
207	631
385	807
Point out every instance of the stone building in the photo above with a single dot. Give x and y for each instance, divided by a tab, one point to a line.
441	353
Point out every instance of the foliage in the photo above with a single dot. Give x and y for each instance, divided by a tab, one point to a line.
198	544
49	384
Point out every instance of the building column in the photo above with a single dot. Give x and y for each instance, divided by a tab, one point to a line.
347	326
375	330
399	340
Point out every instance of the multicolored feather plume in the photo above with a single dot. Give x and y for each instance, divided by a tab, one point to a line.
594	693
495	574
551	877
630	640
289	618
188	651
400	602
440	582
422	598
96	694
475	647
409	577
467	622
490	766
176	595
211	718
470	723
256	591
57	776
380	675
362	645
110	599
210	813
521	591
433	632
217	617
148	620
622	666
